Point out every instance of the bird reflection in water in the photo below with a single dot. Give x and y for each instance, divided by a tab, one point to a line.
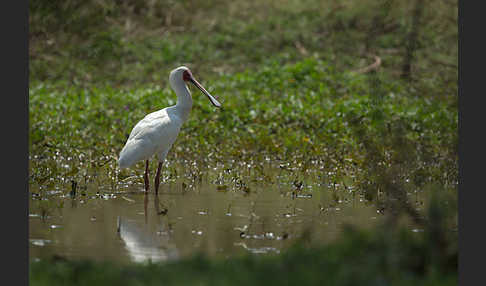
150	241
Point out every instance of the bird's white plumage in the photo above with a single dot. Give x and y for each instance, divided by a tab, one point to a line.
154	134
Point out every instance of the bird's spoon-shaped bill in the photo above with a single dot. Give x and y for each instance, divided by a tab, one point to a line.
211	98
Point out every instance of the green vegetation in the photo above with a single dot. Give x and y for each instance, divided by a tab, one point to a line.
281	69
137	42
305	115
298	95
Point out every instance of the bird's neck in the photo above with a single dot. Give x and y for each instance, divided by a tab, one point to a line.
184	100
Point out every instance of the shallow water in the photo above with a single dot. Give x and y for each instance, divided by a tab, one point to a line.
128	225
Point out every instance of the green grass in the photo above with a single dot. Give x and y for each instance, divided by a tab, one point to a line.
99	42
281	68
305	114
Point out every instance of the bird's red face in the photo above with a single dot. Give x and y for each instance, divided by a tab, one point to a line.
187	76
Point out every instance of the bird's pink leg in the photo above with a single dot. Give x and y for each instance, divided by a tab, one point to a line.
146	177
157	179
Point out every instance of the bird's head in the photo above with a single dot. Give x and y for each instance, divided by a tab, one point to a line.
183	74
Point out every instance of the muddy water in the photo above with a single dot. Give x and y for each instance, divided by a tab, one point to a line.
128	225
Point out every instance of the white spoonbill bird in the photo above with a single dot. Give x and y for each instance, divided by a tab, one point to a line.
157	131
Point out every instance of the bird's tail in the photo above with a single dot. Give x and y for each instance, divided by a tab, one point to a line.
123	162
129	155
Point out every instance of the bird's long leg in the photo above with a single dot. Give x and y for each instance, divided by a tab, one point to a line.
146	177
157	178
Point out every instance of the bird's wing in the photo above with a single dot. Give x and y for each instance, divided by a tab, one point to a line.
153	134
146	121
